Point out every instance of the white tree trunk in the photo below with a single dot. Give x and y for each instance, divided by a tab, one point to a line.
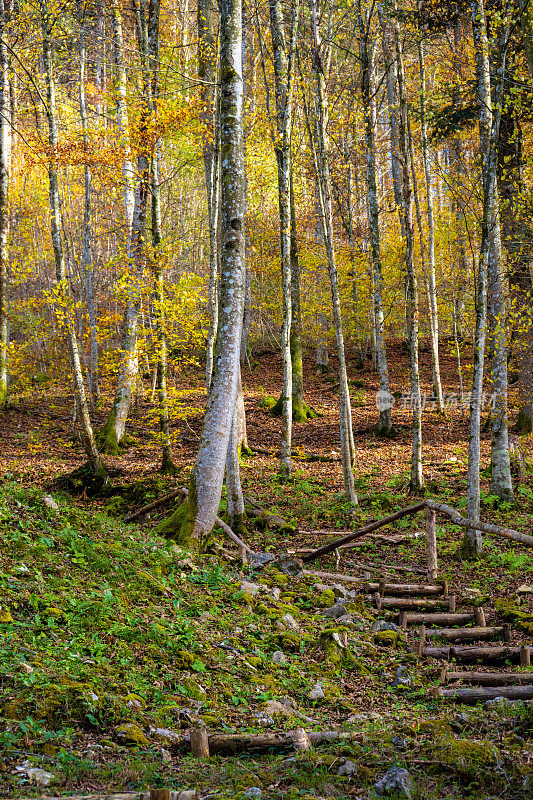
5	169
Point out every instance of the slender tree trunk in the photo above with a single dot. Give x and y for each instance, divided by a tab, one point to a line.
5	169
432	288
326	220
207	59
458	201
62	287
489	134
112	434
417	478
283	74
86	258
385	399
194	520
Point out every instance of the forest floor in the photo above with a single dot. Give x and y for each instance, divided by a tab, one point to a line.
114	643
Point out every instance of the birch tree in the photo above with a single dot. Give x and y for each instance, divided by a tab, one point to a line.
194	520
417	479
367	50
320	154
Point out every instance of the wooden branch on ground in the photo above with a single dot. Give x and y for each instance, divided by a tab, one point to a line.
157	503
255	511
328	548
482	694
457	519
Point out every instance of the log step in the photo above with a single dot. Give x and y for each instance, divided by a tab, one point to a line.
408	589
480	694
470	654
435	619
469	634
491	678
407	603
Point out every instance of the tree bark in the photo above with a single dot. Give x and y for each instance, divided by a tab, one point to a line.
385	399
194	520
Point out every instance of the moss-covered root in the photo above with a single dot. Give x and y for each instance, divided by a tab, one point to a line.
301	412
106	438
167	465
92	481
180	525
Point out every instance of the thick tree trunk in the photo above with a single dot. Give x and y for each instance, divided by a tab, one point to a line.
385	399
194	520
5	168
64	310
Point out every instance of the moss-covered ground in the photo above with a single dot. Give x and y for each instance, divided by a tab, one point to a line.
114	642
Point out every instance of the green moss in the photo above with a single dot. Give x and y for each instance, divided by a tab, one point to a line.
287	641
106	438
5	616
184	659
386	638
180	525
327	598
466	756
131	735
510	612
268	402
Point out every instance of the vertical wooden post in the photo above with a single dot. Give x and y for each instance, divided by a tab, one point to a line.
199	743
431	544
367	576
300	740
525	656
445	590
422	640
381	589
507	632
451	603
377	600
481	622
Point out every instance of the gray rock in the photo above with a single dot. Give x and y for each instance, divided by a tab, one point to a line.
279	657
399	743
188	794
346	619
290	565
498	704
340	590
347	769
524	589
250	588
382	625
259	560
335	611
50	503
396	782
288	623
401	678
275	593
317	692
254	793
527	786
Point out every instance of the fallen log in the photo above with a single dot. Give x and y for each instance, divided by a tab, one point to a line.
157	503
333	576
482	694
457	519
472	654
466	634
491	678
414	589
373	526
435	619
